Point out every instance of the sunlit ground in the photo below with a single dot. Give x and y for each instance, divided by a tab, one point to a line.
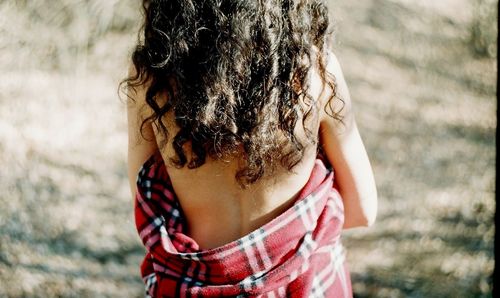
424	102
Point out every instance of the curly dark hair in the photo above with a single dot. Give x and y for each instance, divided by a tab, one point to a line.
235	75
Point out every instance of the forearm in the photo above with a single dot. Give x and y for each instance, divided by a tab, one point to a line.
353	177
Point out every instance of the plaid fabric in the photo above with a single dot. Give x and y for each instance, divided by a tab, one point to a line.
297	254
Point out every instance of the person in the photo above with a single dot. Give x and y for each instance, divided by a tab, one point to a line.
245	160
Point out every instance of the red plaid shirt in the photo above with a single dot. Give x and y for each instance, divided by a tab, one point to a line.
297	254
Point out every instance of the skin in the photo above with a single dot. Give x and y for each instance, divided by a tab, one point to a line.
347	154
219	211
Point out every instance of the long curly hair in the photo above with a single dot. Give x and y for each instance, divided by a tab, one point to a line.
235	76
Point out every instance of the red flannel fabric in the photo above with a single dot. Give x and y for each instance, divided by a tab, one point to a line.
297	254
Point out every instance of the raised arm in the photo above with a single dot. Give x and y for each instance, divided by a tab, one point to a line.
345	151
139	148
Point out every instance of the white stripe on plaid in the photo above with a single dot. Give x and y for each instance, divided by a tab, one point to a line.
308	246
304	215
144	206
317	290
264	256
152	240
327	276
282	292
250	252
339	266
162	269
296	273
334	207
307	209
252	281
147	230
149	283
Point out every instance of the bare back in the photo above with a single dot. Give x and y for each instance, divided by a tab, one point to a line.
217	209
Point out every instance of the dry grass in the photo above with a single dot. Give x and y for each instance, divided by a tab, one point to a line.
425	105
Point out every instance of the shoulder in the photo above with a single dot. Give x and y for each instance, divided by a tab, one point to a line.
141	139
329	87
136	89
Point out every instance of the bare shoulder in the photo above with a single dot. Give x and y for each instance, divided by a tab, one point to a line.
136	91
337	100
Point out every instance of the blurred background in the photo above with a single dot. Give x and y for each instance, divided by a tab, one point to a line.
422	75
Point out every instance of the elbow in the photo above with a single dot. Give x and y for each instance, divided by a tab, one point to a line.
364	220
370	212
362	216
361	221
369	219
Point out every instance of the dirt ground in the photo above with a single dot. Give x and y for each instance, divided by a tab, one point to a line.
425	105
